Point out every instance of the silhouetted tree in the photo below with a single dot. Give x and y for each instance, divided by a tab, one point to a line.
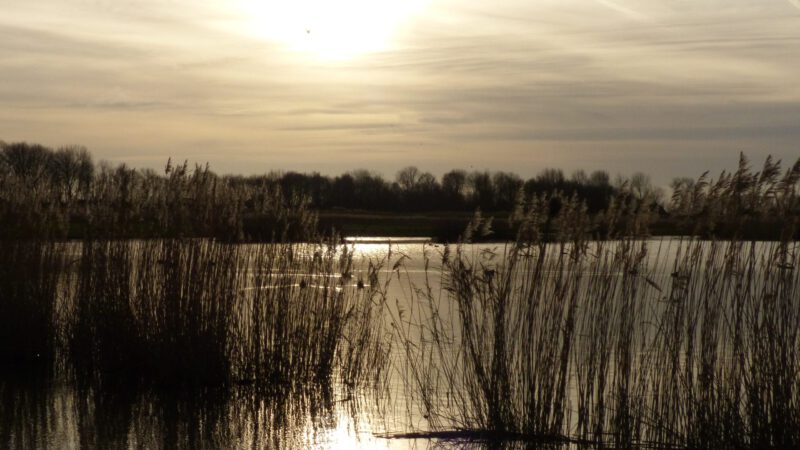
26	162
506	189
343	191
600	178
482	190
370	190
407	178
72	170
551	177
427	183
454	182
580	178
642	188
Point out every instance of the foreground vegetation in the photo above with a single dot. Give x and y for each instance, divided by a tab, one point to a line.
624	342
579	331
189	312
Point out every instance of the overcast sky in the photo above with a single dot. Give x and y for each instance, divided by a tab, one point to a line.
669	87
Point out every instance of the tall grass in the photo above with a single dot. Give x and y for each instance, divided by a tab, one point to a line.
188	308
622	342
46	194
210	313
155	310
30	273
581	331
308	314
127	203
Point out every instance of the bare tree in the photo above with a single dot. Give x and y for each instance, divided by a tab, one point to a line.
407	178
427	183
506	188
454	182
71	170
579	177
27	162
482	189
642	187
600	178
552	177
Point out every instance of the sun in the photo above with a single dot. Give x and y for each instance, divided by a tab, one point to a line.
330	29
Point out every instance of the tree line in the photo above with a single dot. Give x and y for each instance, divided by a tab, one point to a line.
414	190
64	192
71	172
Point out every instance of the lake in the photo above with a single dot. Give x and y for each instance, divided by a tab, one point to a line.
582	331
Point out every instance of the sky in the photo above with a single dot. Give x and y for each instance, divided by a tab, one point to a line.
667	87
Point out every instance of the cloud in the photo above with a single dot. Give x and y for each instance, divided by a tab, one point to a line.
529	84
627	12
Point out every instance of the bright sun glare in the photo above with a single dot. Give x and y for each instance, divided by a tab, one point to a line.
331	29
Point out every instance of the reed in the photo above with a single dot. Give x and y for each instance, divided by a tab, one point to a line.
307	318
46	194
30	275
625	341
200	312
158	311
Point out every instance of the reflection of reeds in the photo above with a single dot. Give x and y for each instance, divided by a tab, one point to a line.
25	411
623	342
35	414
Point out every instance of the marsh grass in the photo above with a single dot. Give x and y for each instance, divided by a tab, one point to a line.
200	312
308	312
192	314
29	288
622	342
46	194
174	310
24	411
157	311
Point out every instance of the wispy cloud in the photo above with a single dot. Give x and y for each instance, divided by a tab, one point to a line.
512	85
624	10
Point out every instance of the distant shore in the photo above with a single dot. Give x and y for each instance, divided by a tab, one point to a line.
448	226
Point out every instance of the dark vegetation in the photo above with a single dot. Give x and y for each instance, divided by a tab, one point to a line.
220	330
59	194
32	410
63	193
619	343
189	312
576	331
